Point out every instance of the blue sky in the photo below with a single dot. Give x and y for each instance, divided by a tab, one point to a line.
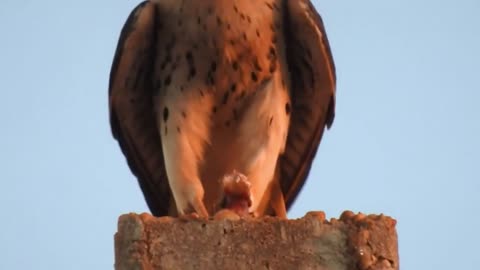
405	141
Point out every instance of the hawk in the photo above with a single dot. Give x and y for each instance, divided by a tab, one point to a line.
199	90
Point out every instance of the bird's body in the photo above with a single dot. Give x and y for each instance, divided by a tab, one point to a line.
224	96
200	89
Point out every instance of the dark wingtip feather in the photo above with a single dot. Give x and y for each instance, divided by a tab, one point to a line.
330	113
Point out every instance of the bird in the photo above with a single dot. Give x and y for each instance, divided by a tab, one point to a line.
212	98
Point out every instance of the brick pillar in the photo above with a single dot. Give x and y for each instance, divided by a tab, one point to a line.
351	242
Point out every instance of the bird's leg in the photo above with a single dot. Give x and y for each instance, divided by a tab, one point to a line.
262	137
181	167
183	125
277	202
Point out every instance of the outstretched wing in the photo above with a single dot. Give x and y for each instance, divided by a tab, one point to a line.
132	116
313	78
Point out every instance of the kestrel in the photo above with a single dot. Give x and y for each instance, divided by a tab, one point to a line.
203	90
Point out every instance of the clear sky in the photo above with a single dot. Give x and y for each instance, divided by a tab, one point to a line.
405	141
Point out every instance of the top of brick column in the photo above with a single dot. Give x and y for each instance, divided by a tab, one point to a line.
363	242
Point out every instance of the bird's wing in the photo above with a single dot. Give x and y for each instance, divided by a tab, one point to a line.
132	117
313	79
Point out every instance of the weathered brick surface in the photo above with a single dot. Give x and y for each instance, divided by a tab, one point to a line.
351	242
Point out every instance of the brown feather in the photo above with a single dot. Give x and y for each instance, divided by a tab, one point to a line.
313	81
131	107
